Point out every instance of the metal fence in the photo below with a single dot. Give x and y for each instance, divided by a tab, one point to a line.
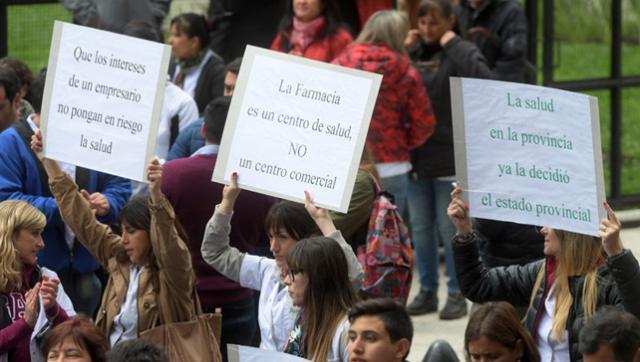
545	42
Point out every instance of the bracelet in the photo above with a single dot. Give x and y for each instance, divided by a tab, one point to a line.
464	238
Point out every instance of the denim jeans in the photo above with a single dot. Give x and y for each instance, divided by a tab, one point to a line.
428	202
398	186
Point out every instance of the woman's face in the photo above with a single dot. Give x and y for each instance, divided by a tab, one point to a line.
433	26
307	10
280	243
68	351
297	286
136	244
551	242
28	243
484	349
182	46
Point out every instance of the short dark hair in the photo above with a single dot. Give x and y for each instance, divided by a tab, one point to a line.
136	350
9	81
233	66
215	116
193	25
427	7
393	314
615	327
143	29
21	70
37	90
84	333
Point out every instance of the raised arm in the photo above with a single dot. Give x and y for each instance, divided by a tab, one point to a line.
478	283
215	248
325	224
75	210
172	255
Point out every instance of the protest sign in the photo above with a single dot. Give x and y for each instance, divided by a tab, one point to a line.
237	353
102	99
528	154
297	124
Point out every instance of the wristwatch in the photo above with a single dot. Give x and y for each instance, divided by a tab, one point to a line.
464	238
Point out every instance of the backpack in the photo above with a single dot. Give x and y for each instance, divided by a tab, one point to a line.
387	256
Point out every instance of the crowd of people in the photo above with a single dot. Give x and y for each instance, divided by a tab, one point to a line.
90	262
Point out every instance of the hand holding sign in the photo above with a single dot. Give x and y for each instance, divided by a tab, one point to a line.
610	233
458	212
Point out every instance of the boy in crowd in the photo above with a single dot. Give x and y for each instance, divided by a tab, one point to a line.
611	335
380	330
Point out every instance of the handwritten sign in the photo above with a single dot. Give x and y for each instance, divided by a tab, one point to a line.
296	124
102	100
528	154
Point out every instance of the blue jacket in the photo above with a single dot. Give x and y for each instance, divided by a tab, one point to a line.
189	140
22	178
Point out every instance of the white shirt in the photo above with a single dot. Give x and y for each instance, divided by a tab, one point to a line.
550	349
277	312
390	169
207	150
176	103
125	324
192	76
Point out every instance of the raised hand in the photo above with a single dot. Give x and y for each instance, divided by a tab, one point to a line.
49	292
412	38
458	212
32	306
154	175
610	233
319	215
229	195
52	167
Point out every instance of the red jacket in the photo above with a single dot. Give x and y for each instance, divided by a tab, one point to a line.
402	118
323	49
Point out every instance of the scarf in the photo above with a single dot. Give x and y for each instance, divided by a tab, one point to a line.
304	33
295	344
186	65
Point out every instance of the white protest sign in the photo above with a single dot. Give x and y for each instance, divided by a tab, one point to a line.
102	99
237	353
296	124
528	154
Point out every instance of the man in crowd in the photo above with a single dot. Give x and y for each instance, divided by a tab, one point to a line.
499	29
612	334
186	182
9	97
22	177
380	331
190	139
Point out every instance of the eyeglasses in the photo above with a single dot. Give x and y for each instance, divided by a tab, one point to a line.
293	272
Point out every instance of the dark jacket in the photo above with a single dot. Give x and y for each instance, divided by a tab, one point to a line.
210	83
618	284
436	64
509	243
499	29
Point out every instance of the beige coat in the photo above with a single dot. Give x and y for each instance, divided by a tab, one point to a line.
170	294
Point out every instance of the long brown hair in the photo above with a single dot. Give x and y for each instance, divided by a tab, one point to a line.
498	321
329	294
580	255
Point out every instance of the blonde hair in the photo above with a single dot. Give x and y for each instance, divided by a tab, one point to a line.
14	217
580	255
386	27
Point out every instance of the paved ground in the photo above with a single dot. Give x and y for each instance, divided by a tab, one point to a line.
429	328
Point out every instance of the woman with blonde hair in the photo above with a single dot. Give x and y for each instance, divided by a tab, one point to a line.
402	119
31	297
579	274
